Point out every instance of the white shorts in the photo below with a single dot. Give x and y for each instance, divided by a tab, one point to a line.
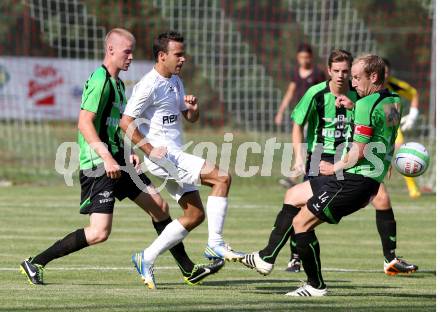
180	172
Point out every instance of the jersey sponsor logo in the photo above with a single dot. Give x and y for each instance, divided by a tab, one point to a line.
334	133
363	130
112	122
340	121
169	119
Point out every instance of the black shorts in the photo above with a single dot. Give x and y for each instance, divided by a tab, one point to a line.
333	199
313	172
98	192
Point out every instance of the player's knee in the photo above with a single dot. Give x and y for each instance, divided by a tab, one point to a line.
382	200
299	224
223	179
96	236
196	218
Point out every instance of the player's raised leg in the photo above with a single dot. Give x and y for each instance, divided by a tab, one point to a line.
216	210
386	226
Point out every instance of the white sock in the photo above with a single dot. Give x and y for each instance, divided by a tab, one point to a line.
173	234
216	209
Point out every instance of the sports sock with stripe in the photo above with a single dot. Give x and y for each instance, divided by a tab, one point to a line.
386	226
70	243
293	249
309	253
281	232
183	261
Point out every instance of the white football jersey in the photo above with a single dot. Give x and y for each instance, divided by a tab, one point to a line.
160	101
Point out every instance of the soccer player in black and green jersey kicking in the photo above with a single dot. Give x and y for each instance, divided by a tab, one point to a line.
104	173
350	183
322	144
328	127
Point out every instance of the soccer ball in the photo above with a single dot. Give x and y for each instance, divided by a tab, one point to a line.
412	159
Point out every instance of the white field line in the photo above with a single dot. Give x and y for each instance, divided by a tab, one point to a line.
164	268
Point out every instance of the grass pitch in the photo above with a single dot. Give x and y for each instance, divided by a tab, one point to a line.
101	278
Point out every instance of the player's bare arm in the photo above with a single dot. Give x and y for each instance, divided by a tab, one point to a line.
88	130
297	140
128	126
192	112
288	96
355	154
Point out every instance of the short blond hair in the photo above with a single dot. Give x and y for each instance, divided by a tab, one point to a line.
118	31
373	64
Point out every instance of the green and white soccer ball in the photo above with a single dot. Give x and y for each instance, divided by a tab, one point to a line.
412	159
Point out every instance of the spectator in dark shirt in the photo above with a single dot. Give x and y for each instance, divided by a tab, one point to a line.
306	74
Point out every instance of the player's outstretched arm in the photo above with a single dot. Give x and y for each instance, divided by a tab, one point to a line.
88	130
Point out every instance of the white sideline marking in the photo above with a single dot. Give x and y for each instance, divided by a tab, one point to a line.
238	268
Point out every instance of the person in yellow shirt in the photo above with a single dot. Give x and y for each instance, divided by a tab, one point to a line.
408	92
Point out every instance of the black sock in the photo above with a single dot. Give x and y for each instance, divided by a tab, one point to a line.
71	243
309	253
386	226
183	261
293	249
281	232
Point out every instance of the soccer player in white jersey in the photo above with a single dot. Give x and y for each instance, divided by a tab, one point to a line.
153	121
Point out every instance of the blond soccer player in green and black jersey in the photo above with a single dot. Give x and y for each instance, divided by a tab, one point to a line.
349	184
333	213
104	173
328	140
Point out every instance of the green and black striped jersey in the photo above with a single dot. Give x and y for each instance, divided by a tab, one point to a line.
104	96
328	125
376	120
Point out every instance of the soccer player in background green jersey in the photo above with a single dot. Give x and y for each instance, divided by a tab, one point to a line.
104	173
327	122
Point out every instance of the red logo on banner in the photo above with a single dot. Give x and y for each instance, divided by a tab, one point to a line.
41	89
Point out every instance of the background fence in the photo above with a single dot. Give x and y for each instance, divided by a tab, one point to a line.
241	58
